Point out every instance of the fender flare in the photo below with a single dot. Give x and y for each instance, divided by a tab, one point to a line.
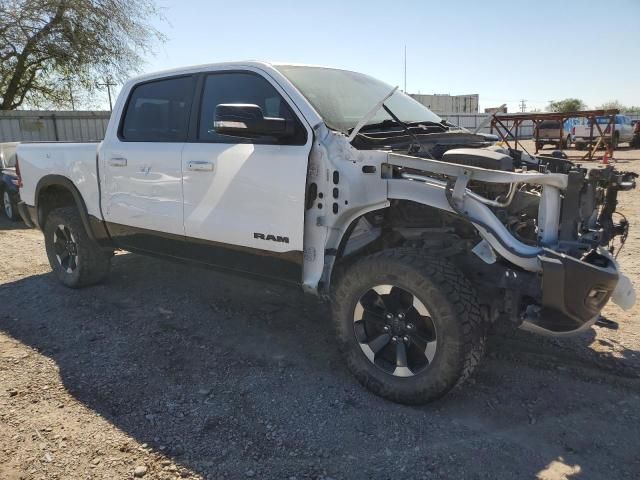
335	248
95	228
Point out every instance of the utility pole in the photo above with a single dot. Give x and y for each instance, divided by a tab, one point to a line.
109	83
405	68
523	105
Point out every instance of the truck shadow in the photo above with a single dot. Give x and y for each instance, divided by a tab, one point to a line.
6	224
225	375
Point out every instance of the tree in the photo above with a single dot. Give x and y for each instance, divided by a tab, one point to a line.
48	47
567	105
613	104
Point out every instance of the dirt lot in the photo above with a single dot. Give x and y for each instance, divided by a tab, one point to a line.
168	371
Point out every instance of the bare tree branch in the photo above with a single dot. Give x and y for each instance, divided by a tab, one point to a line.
46	46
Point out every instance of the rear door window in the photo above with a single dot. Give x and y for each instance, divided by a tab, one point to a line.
550	124
158	111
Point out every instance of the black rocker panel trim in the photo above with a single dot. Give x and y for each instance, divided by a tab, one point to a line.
286	266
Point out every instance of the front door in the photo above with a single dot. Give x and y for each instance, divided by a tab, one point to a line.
142	170
244	198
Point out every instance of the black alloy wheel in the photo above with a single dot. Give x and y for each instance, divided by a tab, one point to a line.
395	331
66	248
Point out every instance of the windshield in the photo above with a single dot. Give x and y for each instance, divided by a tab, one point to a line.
342	97
601	120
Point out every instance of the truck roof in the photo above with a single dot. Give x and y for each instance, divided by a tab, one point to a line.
206	66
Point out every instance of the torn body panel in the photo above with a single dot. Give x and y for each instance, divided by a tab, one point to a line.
361	190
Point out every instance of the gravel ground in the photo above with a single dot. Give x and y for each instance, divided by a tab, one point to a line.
169	371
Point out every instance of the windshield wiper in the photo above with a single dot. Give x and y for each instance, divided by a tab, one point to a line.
369	115
417	143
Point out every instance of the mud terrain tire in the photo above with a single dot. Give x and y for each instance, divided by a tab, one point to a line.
453	311
75	259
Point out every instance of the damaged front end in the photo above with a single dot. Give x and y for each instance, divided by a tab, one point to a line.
547	231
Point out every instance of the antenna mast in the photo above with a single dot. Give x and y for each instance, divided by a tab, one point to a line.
405	68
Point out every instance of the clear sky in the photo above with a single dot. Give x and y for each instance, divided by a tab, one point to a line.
538	50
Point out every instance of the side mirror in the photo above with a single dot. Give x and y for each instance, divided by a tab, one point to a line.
247	120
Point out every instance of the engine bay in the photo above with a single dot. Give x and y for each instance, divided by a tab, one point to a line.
588	216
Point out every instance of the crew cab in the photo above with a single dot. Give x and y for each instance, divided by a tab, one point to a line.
421	235
584	135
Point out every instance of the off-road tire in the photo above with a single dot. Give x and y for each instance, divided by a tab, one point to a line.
92	261
454	310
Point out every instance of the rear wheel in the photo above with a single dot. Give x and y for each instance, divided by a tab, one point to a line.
76	260
409	326
9	206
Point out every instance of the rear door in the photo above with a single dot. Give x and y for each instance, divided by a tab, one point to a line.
141	166
244	198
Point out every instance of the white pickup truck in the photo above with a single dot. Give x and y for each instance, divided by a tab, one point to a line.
422	235
588	133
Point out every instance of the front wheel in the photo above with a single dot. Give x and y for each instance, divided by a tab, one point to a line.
408	325
75	258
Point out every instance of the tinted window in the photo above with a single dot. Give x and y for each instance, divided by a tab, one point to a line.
158	111
244	88
550	124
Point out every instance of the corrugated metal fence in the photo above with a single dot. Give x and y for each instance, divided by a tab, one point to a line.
23	125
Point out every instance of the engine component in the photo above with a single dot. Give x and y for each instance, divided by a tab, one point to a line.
479	157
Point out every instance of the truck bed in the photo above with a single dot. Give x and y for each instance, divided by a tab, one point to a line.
75	161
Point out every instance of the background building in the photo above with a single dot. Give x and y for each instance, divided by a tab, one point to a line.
445	103
502	109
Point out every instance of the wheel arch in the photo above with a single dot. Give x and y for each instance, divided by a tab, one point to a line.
338	245
55	191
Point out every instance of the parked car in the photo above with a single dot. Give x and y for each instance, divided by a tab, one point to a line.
635	141
420	235
623	132
549	133
9	180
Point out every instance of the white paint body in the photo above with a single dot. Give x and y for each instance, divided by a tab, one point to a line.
224	193
622	127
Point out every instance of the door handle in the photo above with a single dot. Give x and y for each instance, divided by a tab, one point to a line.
200	166
118	162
